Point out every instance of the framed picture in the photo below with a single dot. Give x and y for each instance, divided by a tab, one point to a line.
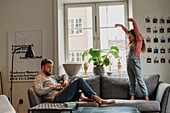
168	30
162	50
168	20
25	69
148	29
162	60
162	40
161	30
161	20
148	60
1	87
155	20
149	49
148	39
155	40
155	50
155	30
147	20
168	40
156	60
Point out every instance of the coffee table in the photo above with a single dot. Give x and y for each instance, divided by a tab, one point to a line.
53	107
106	110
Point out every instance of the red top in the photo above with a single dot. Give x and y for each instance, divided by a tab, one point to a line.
139	38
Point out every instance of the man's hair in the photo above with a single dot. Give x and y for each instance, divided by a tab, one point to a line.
45	61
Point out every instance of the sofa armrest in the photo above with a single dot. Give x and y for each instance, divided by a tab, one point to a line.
34	99
163	96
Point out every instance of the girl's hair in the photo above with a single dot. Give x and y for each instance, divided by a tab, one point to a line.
132	45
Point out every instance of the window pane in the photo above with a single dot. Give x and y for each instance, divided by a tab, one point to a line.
80	37
110	36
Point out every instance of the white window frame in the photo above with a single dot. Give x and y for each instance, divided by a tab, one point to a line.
95	18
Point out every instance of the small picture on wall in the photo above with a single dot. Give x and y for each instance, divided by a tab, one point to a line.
162	60
162	50
156	60
148	39
168	30
168	20
147	20
162	40
148	60
161	30
155	50
148	29
161	20
155	30
155	20
155	40
168	40
149	49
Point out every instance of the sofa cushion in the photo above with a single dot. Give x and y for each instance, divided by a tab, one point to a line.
152	82
115	87
118	87
141	105
87	104
94	83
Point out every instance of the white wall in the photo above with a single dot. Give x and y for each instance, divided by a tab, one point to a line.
152	8
24	15
38	14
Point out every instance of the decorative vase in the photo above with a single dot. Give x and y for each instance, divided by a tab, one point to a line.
72	68
98	71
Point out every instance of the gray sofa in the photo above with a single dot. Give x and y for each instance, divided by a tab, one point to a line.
116	87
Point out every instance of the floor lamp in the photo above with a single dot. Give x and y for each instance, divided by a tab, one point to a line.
29	54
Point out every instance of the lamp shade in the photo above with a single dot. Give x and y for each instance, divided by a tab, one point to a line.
30	53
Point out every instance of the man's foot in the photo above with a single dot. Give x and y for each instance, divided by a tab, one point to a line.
132	98
106	101
102	101
85	99
146	98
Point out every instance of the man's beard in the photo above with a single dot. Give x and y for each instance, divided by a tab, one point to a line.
47	73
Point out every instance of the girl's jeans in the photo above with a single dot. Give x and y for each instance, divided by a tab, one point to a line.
71	92
134	73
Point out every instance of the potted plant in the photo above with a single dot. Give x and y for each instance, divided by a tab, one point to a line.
100	61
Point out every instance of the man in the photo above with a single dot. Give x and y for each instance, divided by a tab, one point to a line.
48	86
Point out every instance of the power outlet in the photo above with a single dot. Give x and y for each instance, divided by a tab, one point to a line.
21	101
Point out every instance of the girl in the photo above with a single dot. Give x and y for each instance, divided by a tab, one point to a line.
136	45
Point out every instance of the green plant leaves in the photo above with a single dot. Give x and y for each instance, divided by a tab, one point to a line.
89	60
115	54
106	61
115	48
94	52
84	54
96	56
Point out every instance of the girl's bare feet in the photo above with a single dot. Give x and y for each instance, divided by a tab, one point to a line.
146	98
132	98
102	101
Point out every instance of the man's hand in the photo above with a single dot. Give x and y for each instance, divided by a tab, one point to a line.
116	25
57	85
65	83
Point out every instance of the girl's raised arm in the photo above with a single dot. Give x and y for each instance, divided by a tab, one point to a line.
124	28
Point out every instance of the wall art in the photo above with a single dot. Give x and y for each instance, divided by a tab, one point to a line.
25	69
